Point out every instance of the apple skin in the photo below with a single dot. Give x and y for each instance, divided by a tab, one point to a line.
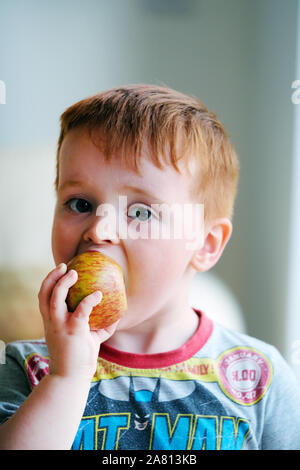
98	272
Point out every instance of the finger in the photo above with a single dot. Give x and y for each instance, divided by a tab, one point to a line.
103	335
58	307
84	309
47	286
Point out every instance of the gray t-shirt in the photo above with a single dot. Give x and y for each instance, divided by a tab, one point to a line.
220	390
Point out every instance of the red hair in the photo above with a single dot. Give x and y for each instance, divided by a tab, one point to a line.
176	127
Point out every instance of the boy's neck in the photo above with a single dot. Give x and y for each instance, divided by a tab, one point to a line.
160	333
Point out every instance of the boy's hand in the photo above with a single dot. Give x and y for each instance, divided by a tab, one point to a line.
73	348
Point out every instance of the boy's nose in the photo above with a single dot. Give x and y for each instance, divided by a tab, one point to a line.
102	230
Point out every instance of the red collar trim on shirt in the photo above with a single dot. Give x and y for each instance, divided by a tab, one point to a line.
165	359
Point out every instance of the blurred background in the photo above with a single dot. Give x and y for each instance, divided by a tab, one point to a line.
241	57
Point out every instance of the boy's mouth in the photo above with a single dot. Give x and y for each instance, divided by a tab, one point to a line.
98	249
94	248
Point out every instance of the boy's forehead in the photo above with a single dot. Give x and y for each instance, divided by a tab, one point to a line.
81	160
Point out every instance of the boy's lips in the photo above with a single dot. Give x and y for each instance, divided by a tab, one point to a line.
99	250
95	248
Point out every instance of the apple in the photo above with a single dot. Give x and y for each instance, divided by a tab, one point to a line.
97	271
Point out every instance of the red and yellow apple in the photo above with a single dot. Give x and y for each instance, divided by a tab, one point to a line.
98	272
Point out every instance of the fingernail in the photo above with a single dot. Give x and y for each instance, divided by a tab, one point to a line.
61	266
98	295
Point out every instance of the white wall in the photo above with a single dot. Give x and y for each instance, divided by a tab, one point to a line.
263	220
59	52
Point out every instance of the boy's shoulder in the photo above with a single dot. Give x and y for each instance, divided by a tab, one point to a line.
225	339
245	367
21	348
229	347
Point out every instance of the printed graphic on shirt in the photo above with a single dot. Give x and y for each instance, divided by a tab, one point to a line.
36	367
203	369
158	414
244	374
171	407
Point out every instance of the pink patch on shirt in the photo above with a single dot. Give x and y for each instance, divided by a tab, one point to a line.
36	367
244	374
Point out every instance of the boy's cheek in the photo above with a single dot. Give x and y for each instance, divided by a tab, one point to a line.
64	242
157	260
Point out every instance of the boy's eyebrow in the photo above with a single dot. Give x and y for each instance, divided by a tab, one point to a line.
142	191
135	189
70	183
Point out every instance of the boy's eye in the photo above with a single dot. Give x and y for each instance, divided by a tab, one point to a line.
79	205
140	212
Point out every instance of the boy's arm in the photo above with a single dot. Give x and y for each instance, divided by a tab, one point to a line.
50	416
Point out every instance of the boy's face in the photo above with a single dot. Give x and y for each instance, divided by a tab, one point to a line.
157	272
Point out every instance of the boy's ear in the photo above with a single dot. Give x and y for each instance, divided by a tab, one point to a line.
217	234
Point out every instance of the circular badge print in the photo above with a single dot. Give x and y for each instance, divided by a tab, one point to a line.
36	367
244	374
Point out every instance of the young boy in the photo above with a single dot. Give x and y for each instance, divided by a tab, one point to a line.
164	376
